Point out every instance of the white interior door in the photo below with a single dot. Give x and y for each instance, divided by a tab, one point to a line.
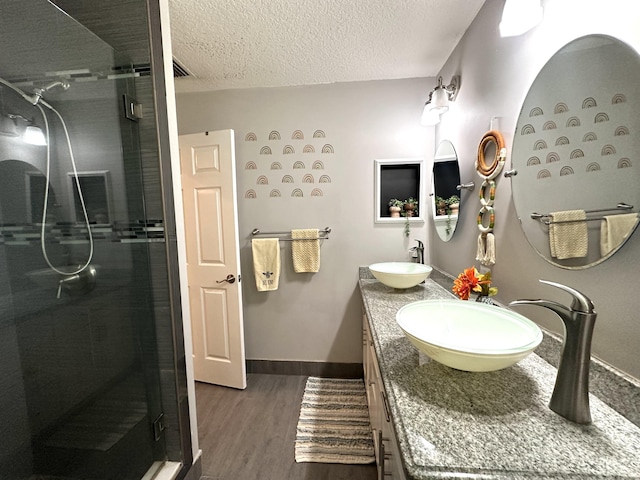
207	163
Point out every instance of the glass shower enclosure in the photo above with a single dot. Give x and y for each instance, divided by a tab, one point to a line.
80	392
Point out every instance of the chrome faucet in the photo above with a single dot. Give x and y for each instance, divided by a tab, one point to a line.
570	397
419	249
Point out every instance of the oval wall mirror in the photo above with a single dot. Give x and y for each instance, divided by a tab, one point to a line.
577	153
446	198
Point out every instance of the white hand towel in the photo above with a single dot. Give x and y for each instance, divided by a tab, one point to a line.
305	253
266	263
568	238
614	229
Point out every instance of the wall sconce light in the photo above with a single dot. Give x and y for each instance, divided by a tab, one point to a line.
520	16
438	102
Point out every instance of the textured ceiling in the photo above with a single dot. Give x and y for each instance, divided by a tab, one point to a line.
266	43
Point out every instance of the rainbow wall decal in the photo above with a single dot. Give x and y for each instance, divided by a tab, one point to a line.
327	148
577	153
536	112
608	150
593	167
624	163
553	157
527	129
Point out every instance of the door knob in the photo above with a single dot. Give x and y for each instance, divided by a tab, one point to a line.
230	279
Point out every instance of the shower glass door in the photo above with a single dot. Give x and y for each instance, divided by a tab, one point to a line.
80	391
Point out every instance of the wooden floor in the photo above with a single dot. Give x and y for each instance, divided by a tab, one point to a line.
250	434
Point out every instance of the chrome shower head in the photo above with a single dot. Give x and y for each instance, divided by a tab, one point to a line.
39	92
62	83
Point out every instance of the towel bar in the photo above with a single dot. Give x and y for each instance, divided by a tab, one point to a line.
544	217
322	234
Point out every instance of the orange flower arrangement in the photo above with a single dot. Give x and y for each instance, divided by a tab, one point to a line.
470	280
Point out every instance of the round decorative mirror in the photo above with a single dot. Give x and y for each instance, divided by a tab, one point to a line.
446	198
577	153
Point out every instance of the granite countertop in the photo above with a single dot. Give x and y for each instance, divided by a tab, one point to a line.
454	424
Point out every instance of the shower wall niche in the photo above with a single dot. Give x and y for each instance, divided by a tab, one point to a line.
91	373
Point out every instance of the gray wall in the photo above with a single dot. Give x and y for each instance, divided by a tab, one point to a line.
315	317
496	75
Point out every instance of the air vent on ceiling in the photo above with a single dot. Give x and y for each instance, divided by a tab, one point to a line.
179	70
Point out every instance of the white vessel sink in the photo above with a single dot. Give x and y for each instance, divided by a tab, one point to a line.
400	274
469	336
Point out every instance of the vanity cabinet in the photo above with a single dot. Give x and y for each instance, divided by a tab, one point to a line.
386	446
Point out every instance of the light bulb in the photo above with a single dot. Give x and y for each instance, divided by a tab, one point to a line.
33	135
520	16
430	117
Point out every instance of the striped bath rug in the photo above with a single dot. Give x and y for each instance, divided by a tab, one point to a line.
333	426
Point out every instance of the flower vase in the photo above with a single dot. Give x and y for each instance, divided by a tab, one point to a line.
409	209
484	299
395	212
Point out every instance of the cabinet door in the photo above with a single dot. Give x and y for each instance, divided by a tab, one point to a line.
385	443
372	385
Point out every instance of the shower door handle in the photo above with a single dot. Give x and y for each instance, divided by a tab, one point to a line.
230	279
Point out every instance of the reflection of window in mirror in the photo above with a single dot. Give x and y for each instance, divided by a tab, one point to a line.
35	185
22	195
96	194
447	178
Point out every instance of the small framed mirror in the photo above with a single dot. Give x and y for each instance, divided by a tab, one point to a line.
398	190
445	204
